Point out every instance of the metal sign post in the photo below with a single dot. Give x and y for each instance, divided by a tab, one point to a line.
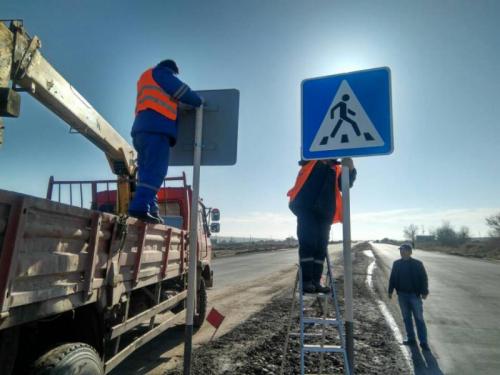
217	145
193	241
346	236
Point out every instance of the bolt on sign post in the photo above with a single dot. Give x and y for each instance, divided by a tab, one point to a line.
347	115
217	145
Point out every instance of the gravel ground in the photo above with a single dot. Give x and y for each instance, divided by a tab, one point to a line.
256	346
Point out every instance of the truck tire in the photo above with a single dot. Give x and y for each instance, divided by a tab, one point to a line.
201	305
9	343
74	358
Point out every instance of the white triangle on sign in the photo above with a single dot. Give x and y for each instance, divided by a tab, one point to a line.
346	124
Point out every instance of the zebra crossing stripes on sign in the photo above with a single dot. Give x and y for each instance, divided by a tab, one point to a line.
347	115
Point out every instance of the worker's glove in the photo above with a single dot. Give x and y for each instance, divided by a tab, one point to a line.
348	163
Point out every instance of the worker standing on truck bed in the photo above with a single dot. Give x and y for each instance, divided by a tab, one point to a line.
154	131
316	201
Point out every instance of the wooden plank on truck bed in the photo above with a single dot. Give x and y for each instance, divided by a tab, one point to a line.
51	271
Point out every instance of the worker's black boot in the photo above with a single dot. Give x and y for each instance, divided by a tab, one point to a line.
321	289
317	273
157	216
143	216
308	287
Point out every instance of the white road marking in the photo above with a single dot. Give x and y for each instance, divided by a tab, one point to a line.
385	311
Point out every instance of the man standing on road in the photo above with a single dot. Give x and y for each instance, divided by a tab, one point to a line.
316	201
154	131
409	278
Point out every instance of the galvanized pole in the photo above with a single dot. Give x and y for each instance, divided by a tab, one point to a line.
193	241
346	229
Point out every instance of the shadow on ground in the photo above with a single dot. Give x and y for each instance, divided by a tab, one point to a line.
424	363
148	357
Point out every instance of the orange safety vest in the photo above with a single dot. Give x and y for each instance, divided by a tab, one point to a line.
302	177
150	95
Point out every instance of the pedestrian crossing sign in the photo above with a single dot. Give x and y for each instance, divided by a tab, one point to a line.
346	115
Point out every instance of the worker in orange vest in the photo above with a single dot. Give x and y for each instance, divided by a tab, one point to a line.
159	92
317	202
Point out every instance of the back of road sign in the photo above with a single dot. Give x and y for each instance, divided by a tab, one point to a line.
220	130
347	115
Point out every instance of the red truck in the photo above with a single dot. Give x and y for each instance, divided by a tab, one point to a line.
81	284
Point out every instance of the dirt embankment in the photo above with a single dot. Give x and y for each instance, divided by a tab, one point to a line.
238	303
256	346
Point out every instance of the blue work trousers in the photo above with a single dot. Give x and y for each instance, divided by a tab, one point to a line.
313	233
412	307
153	150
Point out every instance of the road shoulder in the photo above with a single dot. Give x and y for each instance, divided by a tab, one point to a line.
256	345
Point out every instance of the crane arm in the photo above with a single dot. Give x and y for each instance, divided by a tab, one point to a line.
22	63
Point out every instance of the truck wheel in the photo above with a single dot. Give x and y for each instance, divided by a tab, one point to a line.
75	358
201	305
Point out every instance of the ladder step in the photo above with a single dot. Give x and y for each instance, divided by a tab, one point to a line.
309	297
306	334
323	349
315	296
333	322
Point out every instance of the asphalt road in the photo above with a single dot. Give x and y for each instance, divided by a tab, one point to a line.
251	266
462	311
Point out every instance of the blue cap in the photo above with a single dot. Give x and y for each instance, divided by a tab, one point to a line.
170	64
405	246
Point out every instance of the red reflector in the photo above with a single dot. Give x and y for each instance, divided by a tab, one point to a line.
215	318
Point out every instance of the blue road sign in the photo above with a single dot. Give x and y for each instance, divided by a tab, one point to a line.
346	115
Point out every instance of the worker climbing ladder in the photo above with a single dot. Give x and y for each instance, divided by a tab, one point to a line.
311	339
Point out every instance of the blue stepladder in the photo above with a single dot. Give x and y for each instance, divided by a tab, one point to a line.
309	340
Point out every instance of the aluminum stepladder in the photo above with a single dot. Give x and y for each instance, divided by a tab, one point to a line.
322	321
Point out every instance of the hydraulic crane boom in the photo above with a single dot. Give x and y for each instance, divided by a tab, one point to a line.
22	65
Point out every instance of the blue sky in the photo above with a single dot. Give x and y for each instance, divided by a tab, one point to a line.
445	63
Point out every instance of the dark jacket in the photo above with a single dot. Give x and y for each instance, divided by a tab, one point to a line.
408	276
318	193
150	121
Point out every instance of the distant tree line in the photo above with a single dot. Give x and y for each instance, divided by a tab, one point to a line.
446	235
494	223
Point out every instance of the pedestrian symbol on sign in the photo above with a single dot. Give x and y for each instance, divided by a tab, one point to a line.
346	124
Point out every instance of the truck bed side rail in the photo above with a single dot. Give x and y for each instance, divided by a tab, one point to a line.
55	257
83	193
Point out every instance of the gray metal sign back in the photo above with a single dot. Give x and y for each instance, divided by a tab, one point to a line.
220	130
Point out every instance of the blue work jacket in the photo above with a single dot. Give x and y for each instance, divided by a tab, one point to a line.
150	121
